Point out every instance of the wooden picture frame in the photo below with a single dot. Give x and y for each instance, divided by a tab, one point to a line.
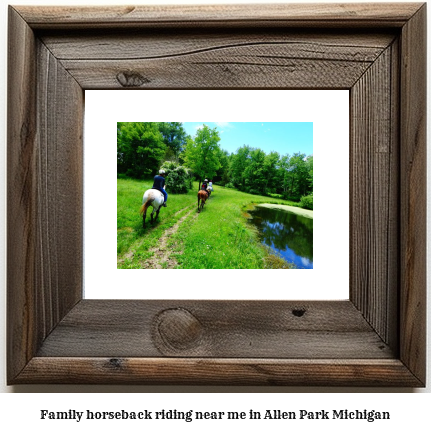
376	338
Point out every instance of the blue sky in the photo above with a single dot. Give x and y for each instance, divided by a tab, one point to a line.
282	137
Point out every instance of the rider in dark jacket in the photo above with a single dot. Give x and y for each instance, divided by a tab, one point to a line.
159	184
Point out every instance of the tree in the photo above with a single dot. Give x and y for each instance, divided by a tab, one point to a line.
239	163
201	154
140	148
253	171
285	169
309	164
272	171
174	137
297	175
223	173
254	174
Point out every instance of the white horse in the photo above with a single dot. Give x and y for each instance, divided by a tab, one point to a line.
153	198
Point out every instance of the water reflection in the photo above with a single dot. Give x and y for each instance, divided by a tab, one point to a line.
289	234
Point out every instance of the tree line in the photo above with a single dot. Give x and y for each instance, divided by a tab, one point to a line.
144	147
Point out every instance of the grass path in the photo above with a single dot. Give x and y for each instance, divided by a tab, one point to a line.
135	244
162	254
217	238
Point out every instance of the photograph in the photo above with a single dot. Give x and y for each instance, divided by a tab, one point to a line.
240	195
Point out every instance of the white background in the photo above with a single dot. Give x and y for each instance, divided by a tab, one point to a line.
329	112
22	410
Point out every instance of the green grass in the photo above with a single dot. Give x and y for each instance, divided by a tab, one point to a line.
133	241
217	238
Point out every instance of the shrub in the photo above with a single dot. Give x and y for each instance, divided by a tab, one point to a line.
229	186
275	195
178	178
254	191
306	202
288	197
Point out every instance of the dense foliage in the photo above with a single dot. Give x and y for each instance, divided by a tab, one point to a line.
307	202
178	177
142	148
253	171
202	153
174	137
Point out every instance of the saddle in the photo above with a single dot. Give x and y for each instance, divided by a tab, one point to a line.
156	190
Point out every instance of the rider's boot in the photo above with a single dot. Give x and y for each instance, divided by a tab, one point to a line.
164	204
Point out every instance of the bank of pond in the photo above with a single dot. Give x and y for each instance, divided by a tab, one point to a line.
287	231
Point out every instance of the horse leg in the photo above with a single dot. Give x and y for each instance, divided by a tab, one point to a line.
198	204
144	215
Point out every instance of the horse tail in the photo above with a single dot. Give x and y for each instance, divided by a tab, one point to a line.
147	203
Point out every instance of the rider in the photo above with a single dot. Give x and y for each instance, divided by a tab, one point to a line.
159	184
205	186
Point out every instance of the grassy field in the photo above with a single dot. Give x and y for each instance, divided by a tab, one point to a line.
217	238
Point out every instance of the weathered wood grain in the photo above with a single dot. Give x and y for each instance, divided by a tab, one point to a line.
235	329
212	60
45	105
329	372
392	303
374	195
413	194
21	196
139	44
254	15
231	72
59	183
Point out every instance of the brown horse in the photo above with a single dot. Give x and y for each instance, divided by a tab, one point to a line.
202	197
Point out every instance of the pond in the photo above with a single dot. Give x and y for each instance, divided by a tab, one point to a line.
290	235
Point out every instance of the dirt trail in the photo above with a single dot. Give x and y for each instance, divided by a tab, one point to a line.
168	233
162	254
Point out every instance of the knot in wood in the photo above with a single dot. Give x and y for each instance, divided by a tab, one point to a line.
178	329
131	79
298	312
115	363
